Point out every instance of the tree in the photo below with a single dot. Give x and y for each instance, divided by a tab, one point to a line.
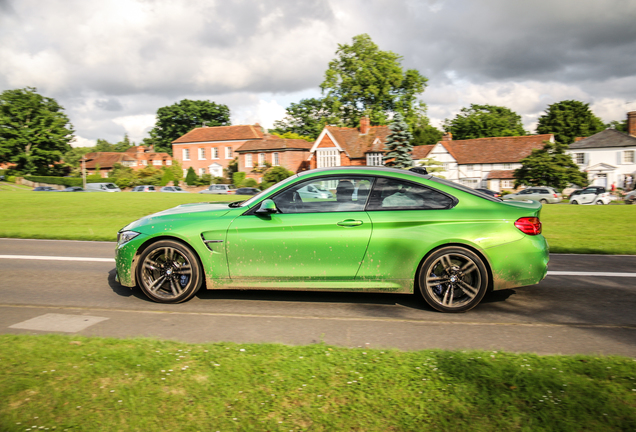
307	118
180	118
191	177
273	175
398	144
484	121
34	132
292	135
568	120
550	166
620	126
363	80
432	166
426	135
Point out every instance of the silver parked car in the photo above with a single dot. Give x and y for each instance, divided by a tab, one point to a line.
543	194
144	188
223	189
630	198
173	189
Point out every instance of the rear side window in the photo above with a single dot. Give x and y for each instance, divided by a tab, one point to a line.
392	194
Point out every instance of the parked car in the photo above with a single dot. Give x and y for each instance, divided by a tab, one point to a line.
44	189
223	189
73	189
630	198
591	195
247	191
489	192
410	232
173	189
102	187
311	191
543	194
144	188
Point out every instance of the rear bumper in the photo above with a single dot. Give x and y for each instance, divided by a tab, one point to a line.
520	263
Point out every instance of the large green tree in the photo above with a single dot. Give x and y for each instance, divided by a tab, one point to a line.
104	146
307	118
34	132
484	121
426	135
178	119
364	80
550	166
568	120
398	144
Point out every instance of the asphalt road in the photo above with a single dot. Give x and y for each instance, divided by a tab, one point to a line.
564	314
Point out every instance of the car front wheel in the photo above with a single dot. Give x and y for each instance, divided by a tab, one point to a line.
574	202
453	279
169	272
599	202
544	201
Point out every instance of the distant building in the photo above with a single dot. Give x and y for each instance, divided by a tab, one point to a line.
608	157
290	154
136	157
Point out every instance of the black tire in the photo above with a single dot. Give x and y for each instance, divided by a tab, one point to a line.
169	272
599	202
453	279
543	201
575	202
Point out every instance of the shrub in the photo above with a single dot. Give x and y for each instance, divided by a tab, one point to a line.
238	178
191	177
250	182
11	179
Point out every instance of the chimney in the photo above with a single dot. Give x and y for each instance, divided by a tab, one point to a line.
631	123
447	136
365	123
141	149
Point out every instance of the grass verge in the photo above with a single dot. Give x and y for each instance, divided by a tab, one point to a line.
98	216
94	384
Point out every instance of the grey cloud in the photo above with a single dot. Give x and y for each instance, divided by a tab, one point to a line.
109	104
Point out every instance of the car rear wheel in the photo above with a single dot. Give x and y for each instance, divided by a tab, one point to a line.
599	202
574	202
169	272
544	201
453	279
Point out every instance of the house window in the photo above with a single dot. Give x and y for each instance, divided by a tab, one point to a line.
327	158
248	160
469	169
508	184
579	158
186	154
168	162
201	154
156	162
628	157
276	161
374	159
507	166
261	159
215	153
201	171
144	162
228	152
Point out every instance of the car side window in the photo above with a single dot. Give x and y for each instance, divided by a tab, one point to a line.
391	194
525	192
325	194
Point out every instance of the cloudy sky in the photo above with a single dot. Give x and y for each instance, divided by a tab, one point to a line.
113	63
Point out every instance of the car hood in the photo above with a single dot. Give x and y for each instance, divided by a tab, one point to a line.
191	210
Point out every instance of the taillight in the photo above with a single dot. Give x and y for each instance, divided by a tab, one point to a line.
529	225
555	195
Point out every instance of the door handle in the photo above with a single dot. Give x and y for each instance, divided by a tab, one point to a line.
350	223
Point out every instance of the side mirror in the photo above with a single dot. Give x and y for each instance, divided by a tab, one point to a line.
267	207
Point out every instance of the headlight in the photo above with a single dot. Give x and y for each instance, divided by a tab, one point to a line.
124	237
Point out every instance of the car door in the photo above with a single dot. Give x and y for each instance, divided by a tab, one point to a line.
312	238
586	197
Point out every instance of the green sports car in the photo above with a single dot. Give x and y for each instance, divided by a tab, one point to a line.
377	230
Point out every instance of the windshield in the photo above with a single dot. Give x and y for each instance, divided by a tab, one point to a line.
110	186
177	188
269	189
464	188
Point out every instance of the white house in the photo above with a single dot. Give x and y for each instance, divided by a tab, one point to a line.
484	162
608	157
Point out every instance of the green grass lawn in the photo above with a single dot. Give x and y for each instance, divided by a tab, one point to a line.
92	384
98	216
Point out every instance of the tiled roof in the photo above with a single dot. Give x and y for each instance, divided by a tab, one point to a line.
605	139
494	150
271	142
106	160
502	174
421	152
357	145
221	133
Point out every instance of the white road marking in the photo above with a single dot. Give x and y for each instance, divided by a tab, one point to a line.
601	274
56	258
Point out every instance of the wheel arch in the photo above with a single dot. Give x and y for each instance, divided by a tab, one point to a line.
476	251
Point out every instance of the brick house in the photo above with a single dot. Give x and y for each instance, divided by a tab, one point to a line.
136	157
342	146
291	154
209	150
608	157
